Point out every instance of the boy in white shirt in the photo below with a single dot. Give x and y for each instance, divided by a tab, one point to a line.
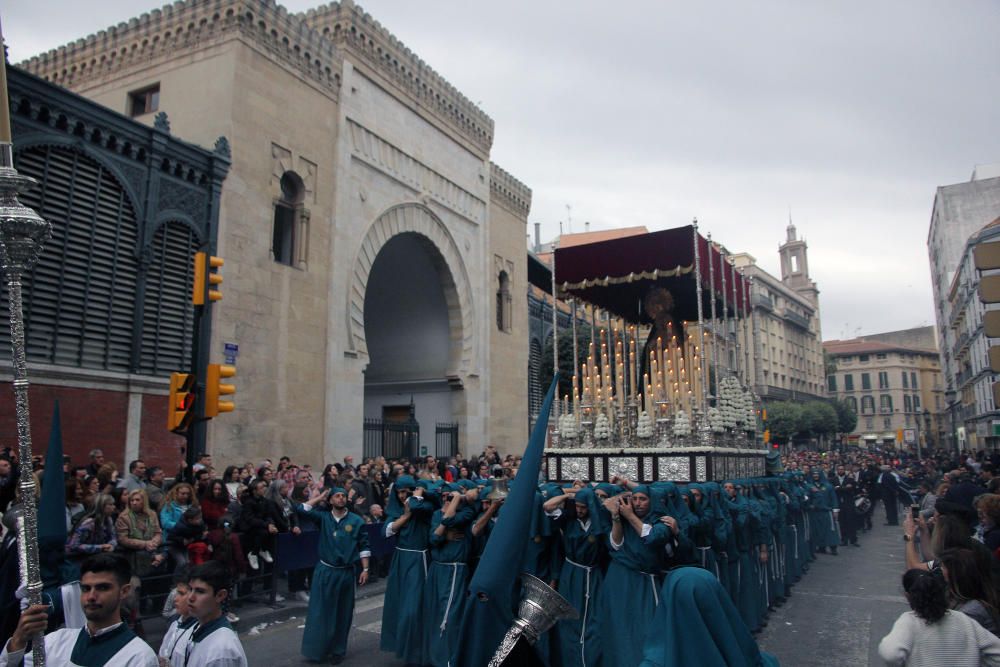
179	632
213	642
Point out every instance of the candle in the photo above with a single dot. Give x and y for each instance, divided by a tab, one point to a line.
4	109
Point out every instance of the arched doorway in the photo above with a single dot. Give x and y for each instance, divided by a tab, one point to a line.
410	333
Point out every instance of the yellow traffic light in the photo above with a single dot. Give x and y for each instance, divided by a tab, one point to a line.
180	412
206	278
215	388
767	436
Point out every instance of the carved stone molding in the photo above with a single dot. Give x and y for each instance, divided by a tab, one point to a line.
387	158
509	192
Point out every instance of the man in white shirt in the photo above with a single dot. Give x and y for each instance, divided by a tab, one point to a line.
213	642
105	640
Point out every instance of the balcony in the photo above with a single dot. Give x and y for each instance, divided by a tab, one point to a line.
763	301
796	319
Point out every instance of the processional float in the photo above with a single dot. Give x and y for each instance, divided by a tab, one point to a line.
662	390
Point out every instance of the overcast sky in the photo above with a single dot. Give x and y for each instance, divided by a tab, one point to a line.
848	115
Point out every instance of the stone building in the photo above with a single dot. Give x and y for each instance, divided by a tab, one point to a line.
893	381
959	211
786	352
374	255
973	417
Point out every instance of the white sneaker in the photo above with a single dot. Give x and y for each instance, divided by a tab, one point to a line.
252	559
302	596
266	555
279	598
232	618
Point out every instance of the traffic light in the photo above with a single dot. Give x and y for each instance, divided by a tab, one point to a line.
180	412
987	257
215	388
206	278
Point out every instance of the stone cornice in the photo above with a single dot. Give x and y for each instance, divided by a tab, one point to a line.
509	192
192	25
354	31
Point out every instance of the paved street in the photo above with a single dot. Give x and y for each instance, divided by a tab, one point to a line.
835	616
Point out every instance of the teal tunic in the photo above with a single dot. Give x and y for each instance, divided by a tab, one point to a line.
403	629
445	590
331	598
630	591
697	624
741	568
580	580
822	502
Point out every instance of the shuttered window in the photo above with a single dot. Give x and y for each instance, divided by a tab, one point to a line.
168	315
80	296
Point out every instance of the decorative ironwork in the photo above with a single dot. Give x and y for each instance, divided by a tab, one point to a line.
701	469
647	467
446	440
576	468
676	468
625	466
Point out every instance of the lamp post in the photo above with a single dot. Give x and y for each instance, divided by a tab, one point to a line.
22	235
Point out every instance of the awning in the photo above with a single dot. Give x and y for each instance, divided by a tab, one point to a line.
616	274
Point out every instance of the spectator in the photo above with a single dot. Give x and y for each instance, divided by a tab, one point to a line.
231	478
971	588
178	500
988	510
135	479
259	524
931	635
188	539
329	478
8	482
107	478
140	541
91	487
96	461
278	494
95	532
214	503
74	502
154	488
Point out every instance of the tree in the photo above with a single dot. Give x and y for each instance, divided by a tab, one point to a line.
784	420
565	358
847	418
819	419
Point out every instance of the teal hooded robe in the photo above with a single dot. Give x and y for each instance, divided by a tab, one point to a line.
697	624
403	629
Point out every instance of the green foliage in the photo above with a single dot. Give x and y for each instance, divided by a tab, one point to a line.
819	419
847	418
784	420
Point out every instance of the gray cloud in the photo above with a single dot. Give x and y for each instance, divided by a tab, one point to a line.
847	114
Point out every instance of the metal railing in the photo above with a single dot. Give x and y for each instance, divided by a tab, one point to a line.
391	439
445	440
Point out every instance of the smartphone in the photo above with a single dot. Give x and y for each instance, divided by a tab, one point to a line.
915	511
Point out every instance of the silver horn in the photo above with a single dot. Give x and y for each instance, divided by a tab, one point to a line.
541	607
499	490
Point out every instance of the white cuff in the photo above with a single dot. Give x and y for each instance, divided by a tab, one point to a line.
365	554
389	532
555	514
646	529
616	546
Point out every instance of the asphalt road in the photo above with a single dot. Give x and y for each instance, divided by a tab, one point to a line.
836	615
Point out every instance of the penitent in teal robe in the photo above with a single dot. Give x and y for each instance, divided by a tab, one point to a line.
342	544
696	623
445	593
403	616
630	592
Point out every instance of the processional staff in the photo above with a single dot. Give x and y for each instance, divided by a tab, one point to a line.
22	235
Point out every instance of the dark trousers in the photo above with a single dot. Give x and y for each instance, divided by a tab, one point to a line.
891	508
849	524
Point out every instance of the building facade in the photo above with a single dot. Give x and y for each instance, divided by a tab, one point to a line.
783	332
960	211
893	382
367	235
108	312
974	420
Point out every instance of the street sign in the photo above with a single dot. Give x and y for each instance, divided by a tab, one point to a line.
910	436
231	351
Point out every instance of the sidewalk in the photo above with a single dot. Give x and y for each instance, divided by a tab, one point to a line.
840	610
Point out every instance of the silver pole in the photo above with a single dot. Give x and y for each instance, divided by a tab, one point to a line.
22	235
700	343
715	321
747	311
725	308
576	362
757	370
555	336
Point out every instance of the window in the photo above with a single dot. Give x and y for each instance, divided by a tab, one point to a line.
883	380
880	356
143	101
887	422
831	383
885	403
848	382
290	220
906	382
869	423
907	403
503	302
867	405
866	381
852	403
913	380
863	358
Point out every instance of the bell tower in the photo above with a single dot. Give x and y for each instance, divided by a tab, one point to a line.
795	266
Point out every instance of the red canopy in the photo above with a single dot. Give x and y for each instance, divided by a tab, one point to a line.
616	274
